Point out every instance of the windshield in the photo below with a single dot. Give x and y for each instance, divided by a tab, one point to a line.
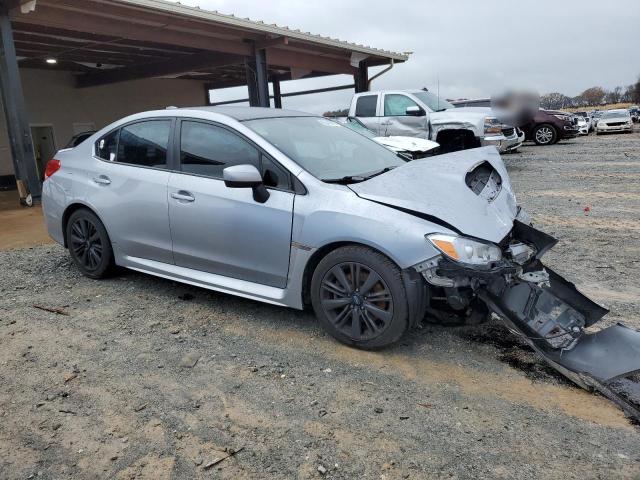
616	114
326	149
357	126
432	101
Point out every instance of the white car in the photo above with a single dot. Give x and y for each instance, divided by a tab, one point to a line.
583	125
411	147
615	121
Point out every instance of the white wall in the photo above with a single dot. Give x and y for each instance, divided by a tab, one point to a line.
52	99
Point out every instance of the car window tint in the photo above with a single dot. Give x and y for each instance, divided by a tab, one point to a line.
107	145
207	149
366	106
145	143
396	105
274	175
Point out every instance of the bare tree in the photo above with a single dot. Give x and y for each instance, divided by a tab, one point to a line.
627	94
554	101
614	95
635	93
593	95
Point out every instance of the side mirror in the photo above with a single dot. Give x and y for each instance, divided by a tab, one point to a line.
246	176
415	111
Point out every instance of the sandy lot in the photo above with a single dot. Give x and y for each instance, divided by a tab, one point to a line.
146	378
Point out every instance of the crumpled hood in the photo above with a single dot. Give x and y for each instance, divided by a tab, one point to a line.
437	187
407	144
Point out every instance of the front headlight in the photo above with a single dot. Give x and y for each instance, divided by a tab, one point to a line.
465	250
492	126
563	117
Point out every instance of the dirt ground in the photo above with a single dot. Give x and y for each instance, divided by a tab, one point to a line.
145	378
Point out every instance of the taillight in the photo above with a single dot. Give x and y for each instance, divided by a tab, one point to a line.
53	166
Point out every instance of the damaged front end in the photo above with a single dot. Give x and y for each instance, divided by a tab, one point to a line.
546	310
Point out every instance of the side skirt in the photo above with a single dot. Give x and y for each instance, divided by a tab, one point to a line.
210	281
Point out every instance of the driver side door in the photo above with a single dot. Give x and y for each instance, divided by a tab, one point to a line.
223	230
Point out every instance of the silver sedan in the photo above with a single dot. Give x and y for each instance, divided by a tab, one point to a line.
293	209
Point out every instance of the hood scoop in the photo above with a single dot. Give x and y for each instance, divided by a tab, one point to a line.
484	181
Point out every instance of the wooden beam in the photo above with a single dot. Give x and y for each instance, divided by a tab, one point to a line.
308	61
120	28
271	42
158	69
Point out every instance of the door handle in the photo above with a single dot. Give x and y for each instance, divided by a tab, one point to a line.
388	122
102	180
183	196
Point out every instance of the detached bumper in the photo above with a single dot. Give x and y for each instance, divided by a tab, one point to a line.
550	314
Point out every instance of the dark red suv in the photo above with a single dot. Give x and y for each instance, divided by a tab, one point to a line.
550	126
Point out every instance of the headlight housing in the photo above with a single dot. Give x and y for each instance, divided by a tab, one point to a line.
464	249
566	118
492	126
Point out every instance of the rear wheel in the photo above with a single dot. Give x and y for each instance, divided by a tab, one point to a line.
359	298
89	244
545	134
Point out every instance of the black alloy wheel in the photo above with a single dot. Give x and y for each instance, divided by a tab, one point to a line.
356	300
89	244
359	297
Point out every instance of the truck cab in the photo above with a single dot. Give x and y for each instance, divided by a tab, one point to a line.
420	113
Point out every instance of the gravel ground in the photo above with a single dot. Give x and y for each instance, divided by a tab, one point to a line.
146	378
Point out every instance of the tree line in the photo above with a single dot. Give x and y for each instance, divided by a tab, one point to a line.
592	97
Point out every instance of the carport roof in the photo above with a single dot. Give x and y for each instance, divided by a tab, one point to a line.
106	41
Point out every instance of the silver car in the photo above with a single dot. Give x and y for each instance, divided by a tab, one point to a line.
294	209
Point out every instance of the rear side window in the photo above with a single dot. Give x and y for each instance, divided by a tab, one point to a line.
207	149
107	146
366	106
396	105
144	143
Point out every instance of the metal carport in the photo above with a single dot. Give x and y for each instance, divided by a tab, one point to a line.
109	41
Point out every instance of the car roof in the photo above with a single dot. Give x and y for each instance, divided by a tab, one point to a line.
251	113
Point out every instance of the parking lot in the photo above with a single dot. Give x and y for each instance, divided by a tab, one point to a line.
139	377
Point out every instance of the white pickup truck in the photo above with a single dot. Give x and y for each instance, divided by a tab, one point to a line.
420	113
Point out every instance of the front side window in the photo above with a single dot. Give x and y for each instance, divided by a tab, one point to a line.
324	148
106	147
366	106
144	143
207	149
396	105
274	175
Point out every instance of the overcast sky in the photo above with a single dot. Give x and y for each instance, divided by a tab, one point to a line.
474	47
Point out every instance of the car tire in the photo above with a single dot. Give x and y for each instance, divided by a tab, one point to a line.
545	134
89	244
359	297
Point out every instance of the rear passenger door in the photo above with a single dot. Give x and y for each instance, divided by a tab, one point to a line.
223	230
128	188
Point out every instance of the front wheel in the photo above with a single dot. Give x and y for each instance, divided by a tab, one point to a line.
359	297
89	244
545	134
